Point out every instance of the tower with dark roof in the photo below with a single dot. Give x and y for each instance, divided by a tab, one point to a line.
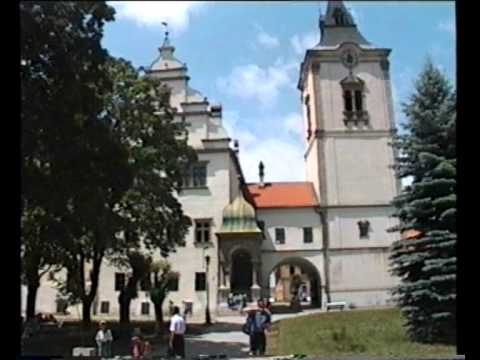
349	121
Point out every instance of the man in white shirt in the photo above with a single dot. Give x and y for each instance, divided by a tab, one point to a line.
177	331
104	340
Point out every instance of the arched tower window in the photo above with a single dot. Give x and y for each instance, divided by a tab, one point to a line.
347	96
354	99
339	17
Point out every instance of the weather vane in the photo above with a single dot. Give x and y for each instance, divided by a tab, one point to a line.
164	23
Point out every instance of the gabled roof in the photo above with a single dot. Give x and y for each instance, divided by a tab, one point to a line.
283	195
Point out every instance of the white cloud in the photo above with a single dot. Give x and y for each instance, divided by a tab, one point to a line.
447	26
261	84
256	146
293	124
153	13
233	125
283	160
302	42
267	41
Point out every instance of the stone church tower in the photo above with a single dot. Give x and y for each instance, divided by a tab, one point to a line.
349	120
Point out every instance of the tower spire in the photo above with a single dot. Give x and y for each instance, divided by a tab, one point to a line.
338	26
166	40
338	14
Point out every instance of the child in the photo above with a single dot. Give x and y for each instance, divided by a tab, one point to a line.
147	350
138	346
104	341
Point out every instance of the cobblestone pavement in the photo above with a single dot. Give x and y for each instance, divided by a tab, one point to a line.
226	338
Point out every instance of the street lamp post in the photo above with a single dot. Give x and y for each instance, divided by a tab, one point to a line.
208	321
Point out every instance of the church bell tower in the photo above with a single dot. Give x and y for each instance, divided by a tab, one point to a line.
349	122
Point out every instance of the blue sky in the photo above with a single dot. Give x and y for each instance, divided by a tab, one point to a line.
246	56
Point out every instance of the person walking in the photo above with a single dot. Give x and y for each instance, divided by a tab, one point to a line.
177	333
263	321
104	341
249	328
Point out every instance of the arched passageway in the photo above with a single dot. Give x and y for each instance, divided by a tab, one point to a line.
241	275
295	280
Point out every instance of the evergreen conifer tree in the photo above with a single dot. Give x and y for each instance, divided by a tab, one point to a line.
426	262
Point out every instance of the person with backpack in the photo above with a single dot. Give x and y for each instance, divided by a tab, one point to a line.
257	322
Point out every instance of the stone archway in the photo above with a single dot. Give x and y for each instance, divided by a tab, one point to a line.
309	273
241	273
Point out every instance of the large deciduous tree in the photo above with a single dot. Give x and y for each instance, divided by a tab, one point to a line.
65	139
158	154
162	277
139	266
426	263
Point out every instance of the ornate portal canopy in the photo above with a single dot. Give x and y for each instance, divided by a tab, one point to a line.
239	219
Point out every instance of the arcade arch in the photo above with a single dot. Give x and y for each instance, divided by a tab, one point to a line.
293	273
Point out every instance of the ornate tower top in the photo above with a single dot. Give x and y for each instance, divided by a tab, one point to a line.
166	60
338	26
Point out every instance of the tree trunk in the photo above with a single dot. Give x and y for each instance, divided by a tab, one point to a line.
158	317
32	275
31	300
88	298
86	313
124	303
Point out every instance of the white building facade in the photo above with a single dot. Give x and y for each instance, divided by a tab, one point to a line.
333	226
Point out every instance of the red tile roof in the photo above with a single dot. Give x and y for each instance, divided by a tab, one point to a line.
411	234
283	195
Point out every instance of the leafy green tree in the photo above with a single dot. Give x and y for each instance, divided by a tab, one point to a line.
63	130
39	253
140	270
162	276
426	264
158	151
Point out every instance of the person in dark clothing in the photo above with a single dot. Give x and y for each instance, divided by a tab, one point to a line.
258	321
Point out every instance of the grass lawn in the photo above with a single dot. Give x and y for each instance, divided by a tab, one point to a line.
360	332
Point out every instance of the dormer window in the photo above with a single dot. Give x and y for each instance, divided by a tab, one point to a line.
338	16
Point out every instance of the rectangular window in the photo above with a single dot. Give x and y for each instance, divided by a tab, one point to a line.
307	235
173	284
145	308
261	225
358	100
348	100
280	235
62	306
200	281
145	284
105	307
199	175
202	231
195	176
119	281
